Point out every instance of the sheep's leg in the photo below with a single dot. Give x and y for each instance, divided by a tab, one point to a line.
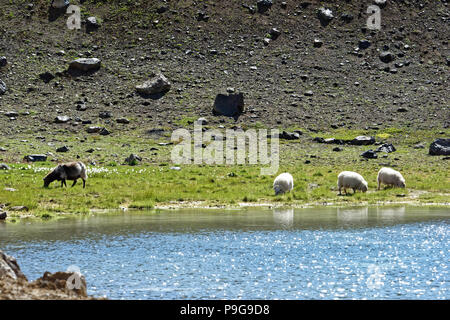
74	182
379	184
345	190
64	182
84	183
340	192
353	190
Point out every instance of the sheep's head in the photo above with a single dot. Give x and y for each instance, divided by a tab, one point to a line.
52	176
364	187
277	190
402	184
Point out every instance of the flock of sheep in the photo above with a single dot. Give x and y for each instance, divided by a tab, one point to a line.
346	179
283	183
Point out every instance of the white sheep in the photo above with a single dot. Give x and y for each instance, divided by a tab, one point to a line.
390	176
283	183
353	180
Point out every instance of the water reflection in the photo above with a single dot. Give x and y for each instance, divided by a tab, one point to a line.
284	217
357	215
391	213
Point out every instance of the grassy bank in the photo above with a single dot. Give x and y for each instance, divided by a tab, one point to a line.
314	166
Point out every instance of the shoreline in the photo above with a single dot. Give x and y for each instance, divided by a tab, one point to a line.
202	205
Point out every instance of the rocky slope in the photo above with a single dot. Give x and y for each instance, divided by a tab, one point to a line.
308	75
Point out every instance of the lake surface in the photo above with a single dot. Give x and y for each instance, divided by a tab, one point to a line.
321	253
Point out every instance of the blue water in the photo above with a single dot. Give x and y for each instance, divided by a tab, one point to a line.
365	253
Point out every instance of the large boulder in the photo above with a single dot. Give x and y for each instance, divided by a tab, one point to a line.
10	268
70	282
229	105
325	15
362	141
386	147
369	154
62	119
264	5
85	64
387	56
158	84
440	147
35	157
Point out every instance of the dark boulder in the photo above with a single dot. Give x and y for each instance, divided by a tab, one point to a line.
386	147
440	147
264	5
387	56
35	158
230	105
362	141
369	154
289	135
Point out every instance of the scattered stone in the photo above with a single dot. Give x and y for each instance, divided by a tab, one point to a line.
283	5
402	109
46	76
380	3
202	121
230	105
266	41
440	147
123	120
3	61
62	149
35	158
274	33
62	119
318	43
347	17
309	93
175	168
364	44
338	149
104	132
2	87
3	216
19	208
386	147
59	4
202	16
94	129
10	189
325	16
133	160
419	146
11	114
369	154
105	114
4	166
85	64
162	9
289	136
158	84
387	56
264	5
92	23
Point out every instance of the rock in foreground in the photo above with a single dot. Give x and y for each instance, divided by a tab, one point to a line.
229	105
51	286
85	64
158	84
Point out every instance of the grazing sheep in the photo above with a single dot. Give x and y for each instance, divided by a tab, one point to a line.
349	179
283	183
390	176
67	171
